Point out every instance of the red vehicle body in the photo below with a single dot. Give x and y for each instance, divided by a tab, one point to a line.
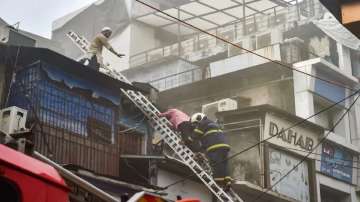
25	179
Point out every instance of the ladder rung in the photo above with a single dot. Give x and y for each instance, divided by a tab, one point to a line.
160	124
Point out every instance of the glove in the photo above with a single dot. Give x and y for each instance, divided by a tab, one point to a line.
198	156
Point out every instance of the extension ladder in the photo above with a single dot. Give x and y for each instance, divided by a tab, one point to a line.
168	135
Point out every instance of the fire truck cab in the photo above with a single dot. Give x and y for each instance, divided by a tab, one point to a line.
25	179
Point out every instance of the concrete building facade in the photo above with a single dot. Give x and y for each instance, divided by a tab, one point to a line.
192	69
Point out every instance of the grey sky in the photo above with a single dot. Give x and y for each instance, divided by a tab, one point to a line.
36	16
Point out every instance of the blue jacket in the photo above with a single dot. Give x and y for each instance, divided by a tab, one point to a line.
210	135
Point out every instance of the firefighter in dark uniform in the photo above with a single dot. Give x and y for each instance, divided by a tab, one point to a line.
214	145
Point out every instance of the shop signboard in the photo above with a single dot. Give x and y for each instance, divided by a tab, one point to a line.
280	163
336	162
299	139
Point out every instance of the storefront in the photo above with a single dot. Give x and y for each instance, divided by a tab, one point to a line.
337	173
286	146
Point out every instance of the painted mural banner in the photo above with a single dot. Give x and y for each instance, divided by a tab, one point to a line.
298	139
279	164
336	162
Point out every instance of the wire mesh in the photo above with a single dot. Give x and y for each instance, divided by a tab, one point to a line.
78	128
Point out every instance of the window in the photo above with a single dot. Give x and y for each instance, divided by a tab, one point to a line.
328	118
9	191
241	135
355	63
332	195
263	40
279	164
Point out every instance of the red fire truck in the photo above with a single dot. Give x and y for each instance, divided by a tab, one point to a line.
25	179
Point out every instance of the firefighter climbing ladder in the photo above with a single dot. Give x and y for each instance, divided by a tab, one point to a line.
169	136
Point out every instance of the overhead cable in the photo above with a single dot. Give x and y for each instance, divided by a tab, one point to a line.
265	140
306	156
245	49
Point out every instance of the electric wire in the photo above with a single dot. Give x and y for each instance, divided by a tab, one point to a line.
262	141
306	156
279	63
327	161
245	49
318	154
137	125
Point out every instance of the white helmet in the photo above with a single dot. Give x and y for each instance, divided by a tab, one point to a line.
197	117
105	29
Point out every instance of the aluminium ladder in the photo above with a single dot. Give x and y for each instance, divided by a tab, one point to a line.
168	135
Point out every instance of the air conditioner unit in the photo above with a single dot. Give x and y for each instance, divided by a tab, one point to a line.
12	119
226	104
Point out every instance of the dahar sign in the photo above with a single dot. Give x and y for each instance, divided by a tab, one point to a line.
291	136
299	138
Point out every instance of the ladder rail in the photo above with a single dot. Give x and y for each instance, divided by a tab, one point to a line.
185	154
161	125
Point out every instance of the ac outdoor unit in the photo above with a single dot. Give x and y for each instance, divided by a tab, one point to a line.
226	104
12	119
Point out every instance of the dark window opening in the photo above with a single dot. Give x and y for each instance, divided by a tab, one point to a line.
9	191
332	195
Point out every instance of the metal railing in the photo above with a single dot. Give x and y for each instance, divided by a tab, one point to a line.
290	53
179	79
202	45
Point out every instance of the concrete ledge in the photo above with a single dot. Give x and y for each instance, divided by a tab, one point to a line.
337	139
248	192
328	67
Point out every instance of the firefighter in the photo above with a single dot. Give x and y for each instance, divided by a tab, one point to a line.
180	122
202	135
96	47
215	146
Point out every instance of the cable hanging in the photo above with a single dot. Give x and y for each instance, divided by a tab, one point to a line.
306	156
265	140
245	49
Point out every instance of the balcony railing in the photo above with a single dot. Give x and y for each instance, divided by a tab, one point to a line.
202	45
179	79
288	53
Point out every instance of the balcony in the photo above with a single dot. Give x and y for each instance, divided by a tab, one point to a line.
221	67
202	46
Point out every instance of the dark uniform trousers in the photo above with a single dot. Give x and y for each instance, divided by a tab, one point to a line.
213	141
219	163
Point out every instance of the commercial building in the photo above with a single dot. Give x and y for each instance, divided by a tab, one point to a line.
79	118
192	69
12	35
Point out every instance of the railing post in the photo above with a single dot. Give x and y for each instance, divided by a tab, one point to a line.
297	9
275	12
244	17
235	31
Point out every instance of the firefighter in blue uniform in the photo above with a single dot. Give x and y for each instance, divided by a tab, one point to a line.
214	144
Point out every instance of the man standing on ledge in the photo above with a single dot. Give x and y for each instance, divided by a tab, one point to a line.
96	47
